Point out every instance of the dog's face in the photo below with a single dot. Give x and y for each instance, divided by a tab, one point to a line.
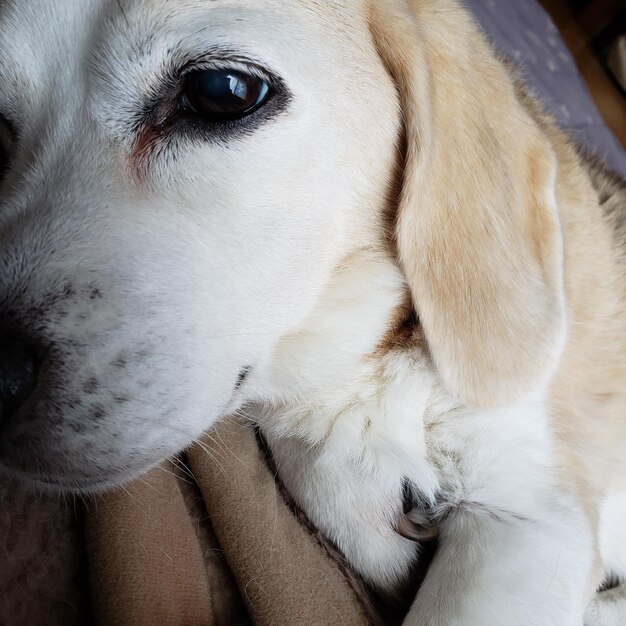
179	180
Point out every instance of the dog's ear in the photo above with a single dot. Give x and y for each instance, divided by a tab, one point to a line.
477	227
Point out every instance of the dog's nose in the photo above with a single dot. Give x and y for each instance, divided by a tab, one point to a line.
17	372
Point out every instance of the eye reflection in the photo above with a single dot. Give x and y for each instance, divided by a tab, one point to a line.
223	95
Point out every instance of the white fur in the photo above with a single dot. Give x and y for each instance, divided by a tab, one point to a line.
346	431
199	262
609	607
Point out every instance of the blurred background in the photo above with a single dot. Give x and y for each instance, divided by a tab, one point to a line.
595	33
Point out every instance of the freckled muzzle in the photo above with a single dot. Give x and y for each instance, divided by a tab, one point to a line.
85	386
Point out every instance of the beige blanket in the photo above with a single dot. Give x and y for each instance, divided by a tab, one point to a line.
212	539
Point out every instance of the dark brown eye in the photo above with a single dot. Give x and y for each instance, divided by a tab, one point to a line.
223	95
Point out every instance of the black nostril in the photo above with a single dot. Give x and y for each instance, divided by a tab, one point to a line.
17	372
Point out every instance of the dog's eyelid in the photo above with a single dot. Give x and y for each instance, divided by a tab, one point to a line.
239	64
164	99
164	120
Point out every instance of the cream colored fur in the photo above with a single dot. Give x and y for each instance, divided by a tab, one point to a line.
518	280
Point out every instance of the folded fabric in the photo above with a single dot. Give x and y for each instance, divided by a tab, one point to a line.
223	547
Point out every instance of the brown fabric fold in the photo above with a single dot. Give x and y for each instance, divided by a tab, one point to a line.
223	547
285	576
42	568
145	562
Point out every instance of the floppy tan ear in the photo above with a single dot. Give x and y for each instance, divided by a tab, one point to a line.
477	228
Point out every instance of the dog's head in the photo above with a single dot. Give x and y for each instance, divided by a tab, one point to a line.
179	181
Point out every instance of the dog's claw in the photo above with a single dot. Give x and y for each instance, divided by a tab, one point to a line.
416	527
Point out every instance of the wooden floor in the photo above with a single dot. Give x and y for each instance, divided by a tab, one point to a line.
608	98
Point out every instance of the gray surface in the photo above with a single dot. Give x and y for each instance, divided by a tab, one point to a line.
522	31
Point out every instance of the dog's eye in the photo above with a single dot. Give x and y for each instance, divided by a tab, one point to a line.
223	95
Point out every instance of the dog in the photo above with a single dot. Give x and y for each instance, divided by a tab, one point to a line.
348	220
